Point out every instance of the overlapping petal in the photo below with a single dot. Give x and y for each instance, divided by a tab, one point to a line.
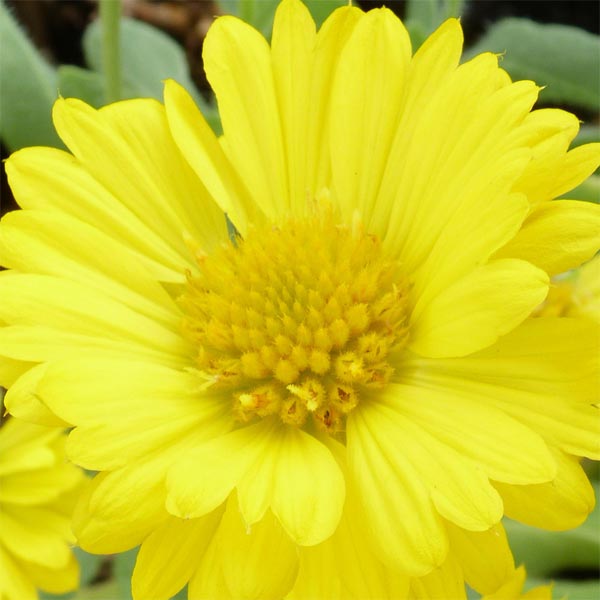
38	488
448	167
287	470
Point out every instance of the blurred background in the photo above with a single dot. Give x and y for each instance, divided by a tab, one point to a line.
49	47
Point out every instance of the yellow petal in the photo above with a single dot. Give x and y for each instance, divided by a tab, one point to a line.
512	588
202	150
124	410
26	457
50	243
557	175
35	534
258	562
306	475
237	61
434	62
480	432
549	131
106	505
459	488
284	468
344	567
135	133
563	503
317	573
331	39
14	584
475	311
208	582
444	582
367	91
484	556
546	375
435	194
103	509
550	357
22	401
53	581
41	344
17	434
79	309
215	468
11	370
87	391
541	592
292	56
496	224
30	488
557	236
170	555
50	179
390	487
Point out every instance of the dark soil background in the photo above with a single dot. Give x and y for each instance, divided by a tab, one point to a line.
56	28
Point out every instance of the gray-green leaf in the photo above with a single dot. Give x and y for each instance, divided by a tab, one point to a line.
27	89
260	13
424	16
321	9
148	57
75	82
566	59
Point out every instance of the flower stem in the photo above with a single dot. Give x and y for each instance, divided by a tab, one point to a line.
110	15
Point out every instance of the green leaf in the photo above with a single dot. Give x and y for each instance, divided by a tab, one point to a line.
27	89
122	569
321	9
589	190
417	31
584	589
108	590
89	564
454	8
565	59
75	82
424	16
148	57
258	13
587	134
426	12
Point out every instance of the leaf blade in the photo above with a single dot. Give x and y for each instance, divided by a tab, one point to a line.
563	58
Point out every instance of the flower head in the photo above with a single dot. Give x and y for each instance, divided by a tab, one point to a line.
575	294
38	490
353	378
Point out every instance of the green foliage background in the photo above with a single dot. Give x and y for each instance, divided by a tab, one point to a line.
564	59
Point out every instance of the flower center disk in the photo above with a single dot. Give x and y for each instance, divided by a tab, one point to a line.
298	321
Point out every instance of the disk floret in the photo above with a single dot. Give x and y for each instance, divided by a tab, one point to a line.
298	321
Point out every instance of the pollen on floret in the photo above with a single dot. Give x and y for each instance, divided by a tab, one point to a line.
298	321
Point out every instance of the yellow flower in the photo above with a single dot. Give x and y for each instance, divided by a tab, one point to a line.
38	490
352	380
575	294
